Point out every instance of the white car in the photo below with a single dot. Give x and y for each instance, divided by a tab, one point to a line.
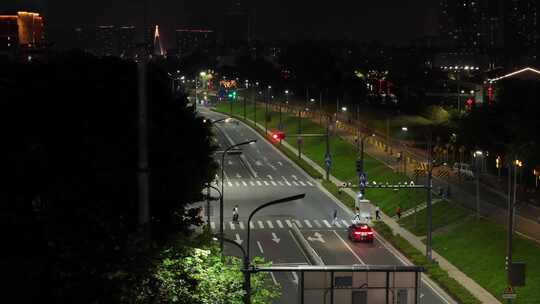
463	169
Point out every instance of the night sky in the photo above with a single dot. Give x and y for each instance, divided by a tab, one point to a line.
391	21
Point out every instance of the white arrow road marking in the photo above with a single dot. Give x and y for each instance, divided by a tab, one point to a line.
279	223
421	295
260	247
316	237
229	162
295	278
327	223
308	223
232	225
258	163
241	225
270	224
260	224
238	240
294	176
280	163
275	238
317	223
270	177
350	249
273	278
288	223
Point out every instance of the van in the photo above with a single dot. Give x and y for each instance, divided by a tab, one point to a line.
463	169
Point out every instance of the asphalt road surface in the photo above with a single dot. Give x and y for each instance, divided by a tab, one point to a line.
262	174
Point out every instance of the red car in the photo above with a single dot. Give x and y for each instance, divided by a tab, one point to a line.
360	233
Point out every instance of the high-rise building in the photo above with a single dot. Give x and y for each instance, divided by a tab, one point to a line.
105	40
521	30
126	41
461	25
189	40
237	29
21	29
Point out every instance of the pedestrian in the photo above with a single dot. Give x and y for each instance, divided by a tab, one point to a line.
356	218
377	213
448	191
398	212
235	213
334	218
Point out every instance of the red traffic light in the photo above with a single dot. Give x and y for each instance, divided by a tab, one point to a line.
279	135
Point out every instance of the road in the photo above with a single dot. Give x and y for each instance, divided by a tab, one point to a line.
262	174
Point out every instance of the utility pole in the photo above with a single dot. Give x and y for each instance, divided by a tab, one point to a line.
509	229
428	205
328	148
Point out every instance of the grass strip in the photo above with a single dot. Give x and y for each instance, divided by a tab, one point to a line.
443	214
433	270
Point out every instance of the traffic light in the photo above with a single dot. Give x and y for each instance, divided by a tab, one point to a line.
279	135
359	166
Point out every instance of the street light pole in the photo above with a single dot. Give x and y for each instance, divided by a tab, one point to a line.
245	268
509	229
428	205
222	188
478	155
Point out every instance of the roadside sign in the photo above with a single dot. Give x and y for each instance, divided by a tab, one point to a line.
299	140
328	160
509	296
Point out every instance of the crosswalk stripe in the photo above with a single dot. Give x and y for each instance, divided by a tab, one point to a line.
308	223
279	223
251	225
270	224
237	184
327	223
213	225
260	224
259	183
273	183
302	183
345	223
230	184
266	183
252	183
288	184
288	223
295	183
309	183
298	223
280	183
317	223
245	184
241	224
232	225
337	224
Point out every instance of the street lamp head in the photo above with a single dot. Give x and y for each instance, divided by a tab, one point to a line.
404	129
478	153
202	74
286	91
344	109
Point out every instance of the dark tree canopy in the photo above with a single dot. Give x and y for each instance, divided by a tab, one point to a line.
69	159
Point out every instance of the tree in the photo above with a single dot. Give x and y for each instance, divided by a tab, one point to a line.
69	137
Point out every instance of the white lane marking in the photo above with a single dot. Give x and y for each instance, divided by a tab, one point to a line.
260	246
261	225
230	162
280	183
298	223
245	184
270	224
248	165
327	223
345	223
259	183
251	225
232	225
266	183
273	183
317	223
302	183
241	224
258	163
288	223
213	225
252	183
309	183
279	223
295	183
230	184
273	278
238	239
270	177
349	247
308	223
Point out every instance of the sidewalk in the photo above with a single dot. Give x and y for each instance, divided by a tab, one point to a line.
480	293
